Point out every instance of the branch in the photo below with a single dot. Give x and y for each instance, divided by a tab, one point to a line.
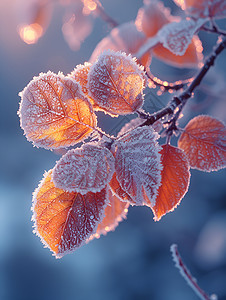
104	16
184	96
187	275
167	85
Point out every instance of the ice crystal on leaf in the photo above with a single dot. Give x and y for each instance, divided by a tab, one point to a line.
116	83
86	169
137	165
204	142
64	221
175	179
176	36
54	112
150	19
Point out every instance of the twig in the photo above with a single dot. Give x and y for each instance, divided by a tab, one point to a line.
213	30
181	100
104	16
187	275
167	85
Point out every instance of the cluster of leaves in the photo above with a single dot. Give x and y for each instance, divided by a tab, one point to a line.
89	190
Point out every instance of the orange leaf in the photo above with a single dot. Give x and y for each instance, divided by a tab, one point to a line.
85	169
116	83
80	74
151	17
63	220
175	180
115	212
54	112
125	38
191	59
137	164
176	36
117	189
204	142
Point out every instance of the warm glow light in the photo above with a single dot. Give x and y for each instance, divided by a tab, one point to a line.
30	33
89	6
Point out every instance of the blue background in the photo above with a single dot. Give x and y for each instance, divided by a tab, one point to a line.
134	262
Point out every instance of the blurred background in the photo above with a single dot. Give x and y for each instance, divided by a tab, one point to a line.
134	262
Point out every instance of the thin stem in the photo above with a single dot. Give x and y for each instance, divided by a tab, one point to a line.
214	30
167	85
104	16
187	275
181	100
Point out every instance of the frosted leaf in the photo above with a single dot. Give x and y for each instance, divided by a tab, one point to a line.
125	38
137	164
54	112
204	142
63	220
80	74
84	169
176	36
116	83
115	212
175	180
192	57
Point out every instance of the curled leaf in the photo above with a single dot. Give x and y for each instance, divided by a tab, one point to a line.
175	178
54	112
116	83
86	169
204	142
137	165
64	221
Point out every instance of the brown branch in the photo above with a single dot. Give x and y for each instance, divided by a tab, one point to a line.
181	100
187	275
104	16
167	85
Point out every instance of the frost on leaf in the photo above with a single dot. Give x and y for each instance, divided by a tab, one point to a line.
175	179
151	18
80	74
204	142
115	212
192	57
203	8
63	220
85	169
54	112
116	83
125	38
176	36
137	165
